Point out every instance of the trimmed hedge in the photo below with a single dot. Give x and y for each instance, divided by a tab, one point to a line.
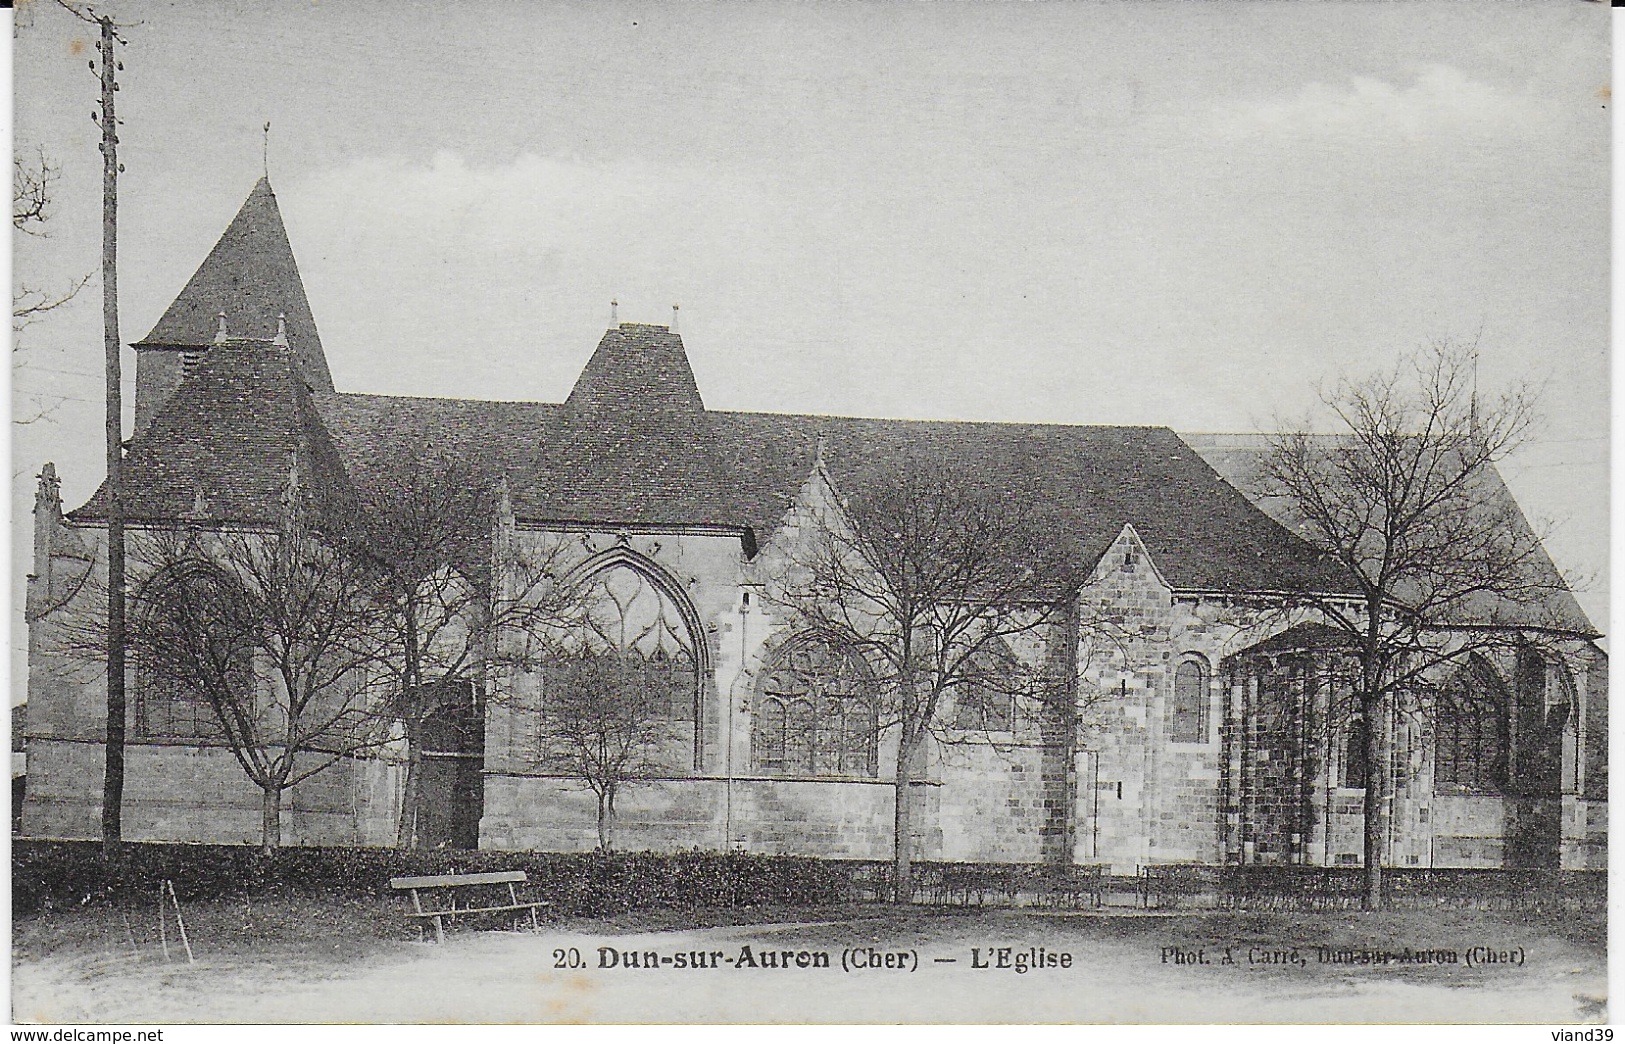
1341	887
49	875
54	875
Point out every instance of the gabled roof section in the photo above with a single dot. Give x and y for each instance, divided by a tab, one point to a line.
632	444
221	448
1310	636
1076	486
251	276
380	434
1240	459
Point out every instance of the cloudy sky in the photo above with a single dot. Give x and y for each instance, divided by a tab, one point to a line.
1180	214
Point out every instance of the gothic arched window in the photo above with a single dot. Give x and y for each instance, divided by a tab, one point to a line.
815	713
628	616
1187	710
187	645
1470	730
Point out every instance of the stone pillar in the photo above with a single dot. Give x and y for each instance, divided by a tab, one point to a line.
1321	734
1058	729
47	520
1249	745
1230	767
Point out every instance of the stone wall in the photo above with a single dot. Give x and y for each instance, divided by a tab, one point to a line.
1127	796
832	818
995	806
196	793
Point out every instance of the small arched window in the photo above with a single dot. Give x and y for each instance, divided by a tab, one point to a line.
986	698
1188	709
815	713
1356	750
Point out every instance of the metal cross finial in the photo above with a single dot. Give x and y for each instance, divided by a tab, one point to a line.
614	315
673	318
265	151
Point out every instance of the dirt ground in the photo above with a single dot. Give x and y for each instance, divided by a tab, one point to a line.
315	964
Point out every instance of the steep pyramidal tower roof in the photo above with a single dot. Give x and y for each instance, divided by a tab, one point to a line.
632	443
251	277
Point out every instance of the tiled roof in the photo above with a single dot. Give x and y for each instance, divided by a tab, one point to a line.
632	443
221	448
250	275
1077	486
379	434
1311	636
1239	458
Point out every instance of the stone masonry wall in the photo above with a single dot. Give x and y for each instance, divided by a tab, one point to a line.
189	793
835	819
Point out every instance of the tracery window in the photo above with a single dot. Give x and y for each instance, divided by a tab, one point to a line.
815	713
1470	730
174	672
639	630
1188	709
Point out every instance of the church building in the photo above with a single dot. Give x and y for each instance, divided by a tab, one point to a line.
1209	733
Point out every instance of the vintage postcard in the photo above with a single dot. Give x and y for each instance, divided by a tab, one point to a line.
886	513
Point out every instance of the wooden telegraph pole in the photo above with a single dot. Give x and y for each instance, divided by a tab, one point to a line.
113	781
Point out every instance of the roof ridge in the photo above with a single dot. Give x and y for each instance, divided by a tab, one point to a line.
941	420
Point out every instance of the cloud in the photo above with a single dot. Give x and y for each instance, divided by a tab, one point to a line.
519	210
449	258
1443	100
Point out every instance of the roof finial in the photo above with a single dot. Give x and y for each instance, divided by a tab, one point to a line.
673	318
220	329
614	312
265	152
1472	405
281	338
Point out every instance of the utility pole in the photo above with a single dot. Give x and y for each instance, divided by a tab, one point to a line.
113	780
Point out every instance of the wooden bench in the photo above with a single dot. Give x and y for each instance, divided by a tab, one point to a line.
445	886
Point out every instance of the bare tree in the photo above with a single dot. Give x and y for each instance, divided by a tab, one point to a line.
933	579
32	182
448	587
1406	499
272	633
603	724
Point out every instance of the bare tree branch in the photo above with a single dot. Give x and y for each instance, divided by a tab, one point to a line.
1405	497
933	581
31	201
